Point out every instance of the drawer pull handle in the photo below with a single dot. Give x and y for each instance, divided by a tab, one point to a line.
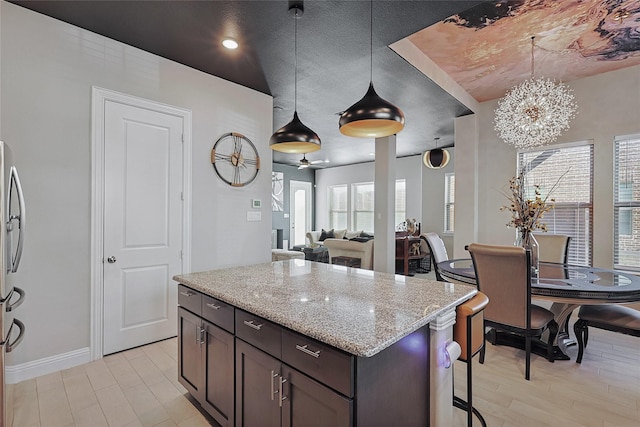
250	324
187	293
215	307
305	350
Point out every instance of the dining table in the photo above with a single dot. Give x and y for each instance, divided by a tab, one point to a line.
566	286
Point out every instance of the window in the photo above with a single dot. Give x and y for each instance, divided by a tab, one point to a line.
338	207
626	203
401	201
363	206
572	168
360	212
449	196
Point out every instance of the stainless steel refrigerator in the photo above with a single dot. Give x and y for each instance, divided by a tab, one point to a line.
12	215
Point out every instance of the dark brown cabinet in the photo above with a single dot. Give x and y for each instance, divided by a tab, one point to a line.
247	371
206	355
270	393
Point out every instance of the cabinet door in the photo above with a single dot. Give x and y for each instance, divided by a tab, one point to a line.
257	376
218	373
190	353
308	403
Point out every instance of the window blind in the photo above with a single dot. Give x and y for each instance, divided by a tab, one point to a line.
626	203
401	201
338	207
363	204
570	170
449	197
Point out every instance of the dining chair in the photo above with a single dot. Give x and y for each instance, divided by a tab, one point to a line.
438	251
503	273
553	247
610	317
468	331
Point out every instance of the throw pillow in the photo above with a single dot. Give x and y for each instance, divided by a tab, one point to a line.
326	235
361	239
363	234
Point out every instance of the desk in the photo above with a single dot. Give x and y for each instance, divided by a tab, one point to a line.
567	286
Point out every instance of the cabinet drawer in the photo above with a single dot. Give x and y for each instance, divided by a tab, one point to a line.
320	361
260	332
218	313
190	299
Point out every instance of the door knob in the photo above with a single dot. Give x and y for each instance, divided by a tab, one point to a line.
111	259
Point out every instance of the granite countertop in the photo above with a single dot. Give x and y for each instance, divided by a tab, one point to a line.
359	311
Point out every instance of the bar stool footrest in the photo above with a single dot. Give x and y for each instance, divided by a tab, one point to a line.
462	404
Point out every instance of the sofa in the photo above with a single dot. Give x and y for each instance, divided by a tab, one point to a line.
351	248
313	237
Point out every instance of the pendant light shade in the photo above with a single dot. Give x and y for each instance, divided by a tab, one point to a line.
372	116
295	137
436	158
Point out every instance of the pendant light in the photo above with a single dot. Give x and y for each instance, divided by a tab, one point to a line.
372	116
295	137
535	112
436	158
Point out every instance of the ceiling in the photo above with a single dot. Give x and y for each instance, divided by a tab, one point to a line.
489	46
481	48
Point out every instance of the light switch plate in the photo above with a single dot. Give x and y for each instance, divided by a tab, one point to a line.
254	216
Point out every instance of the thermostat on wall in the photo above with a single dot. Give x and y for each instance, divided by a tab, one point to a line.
256	203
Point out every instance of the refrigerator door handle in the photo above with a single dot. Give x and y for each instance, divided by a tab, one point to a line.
15	180
15	304
9	346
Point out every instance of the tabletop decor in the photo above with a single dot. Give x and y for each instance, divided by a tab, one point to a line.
527	213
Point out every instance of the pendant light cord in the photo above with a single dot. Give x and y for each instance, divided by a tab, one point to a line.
532	44
371	41
295	61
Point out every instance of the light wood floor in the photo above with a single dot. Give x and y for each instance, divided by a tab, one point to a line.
139	388
602	391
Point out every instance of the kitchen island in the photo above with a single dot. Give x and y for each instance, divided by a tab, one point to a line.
303	343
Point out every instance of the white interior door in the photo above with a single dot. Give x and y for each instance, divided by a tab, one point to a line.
299	211
142	224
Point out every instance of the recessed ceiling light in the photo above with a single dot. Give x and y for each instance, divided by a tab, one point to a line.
230	43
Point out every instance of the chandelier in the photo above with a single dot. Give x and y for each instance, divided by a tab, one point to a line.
534	112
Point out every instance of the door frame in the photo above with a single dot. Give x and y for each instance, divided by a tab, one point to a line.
308	187
99	97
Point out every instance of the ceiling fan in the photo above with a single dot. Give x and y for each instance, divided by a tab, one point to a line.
304	163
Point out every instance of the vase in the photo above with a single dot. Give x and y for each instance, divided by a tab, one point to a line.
527	240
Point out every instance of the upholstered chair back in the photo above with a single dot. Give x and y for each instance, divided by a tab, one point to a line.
553	247
503	274
436	245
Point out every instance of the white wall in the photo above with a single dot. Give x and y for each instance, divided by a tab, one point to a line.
608	105
408	168
48	68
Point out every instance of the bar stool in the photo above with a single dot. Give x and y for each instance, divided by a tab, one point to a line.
468	331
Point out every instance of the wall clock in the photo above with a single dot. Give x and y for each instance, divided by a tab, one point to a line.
235	159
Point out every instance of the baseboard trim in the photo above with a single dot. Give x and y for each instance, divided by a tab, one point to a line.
26	371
